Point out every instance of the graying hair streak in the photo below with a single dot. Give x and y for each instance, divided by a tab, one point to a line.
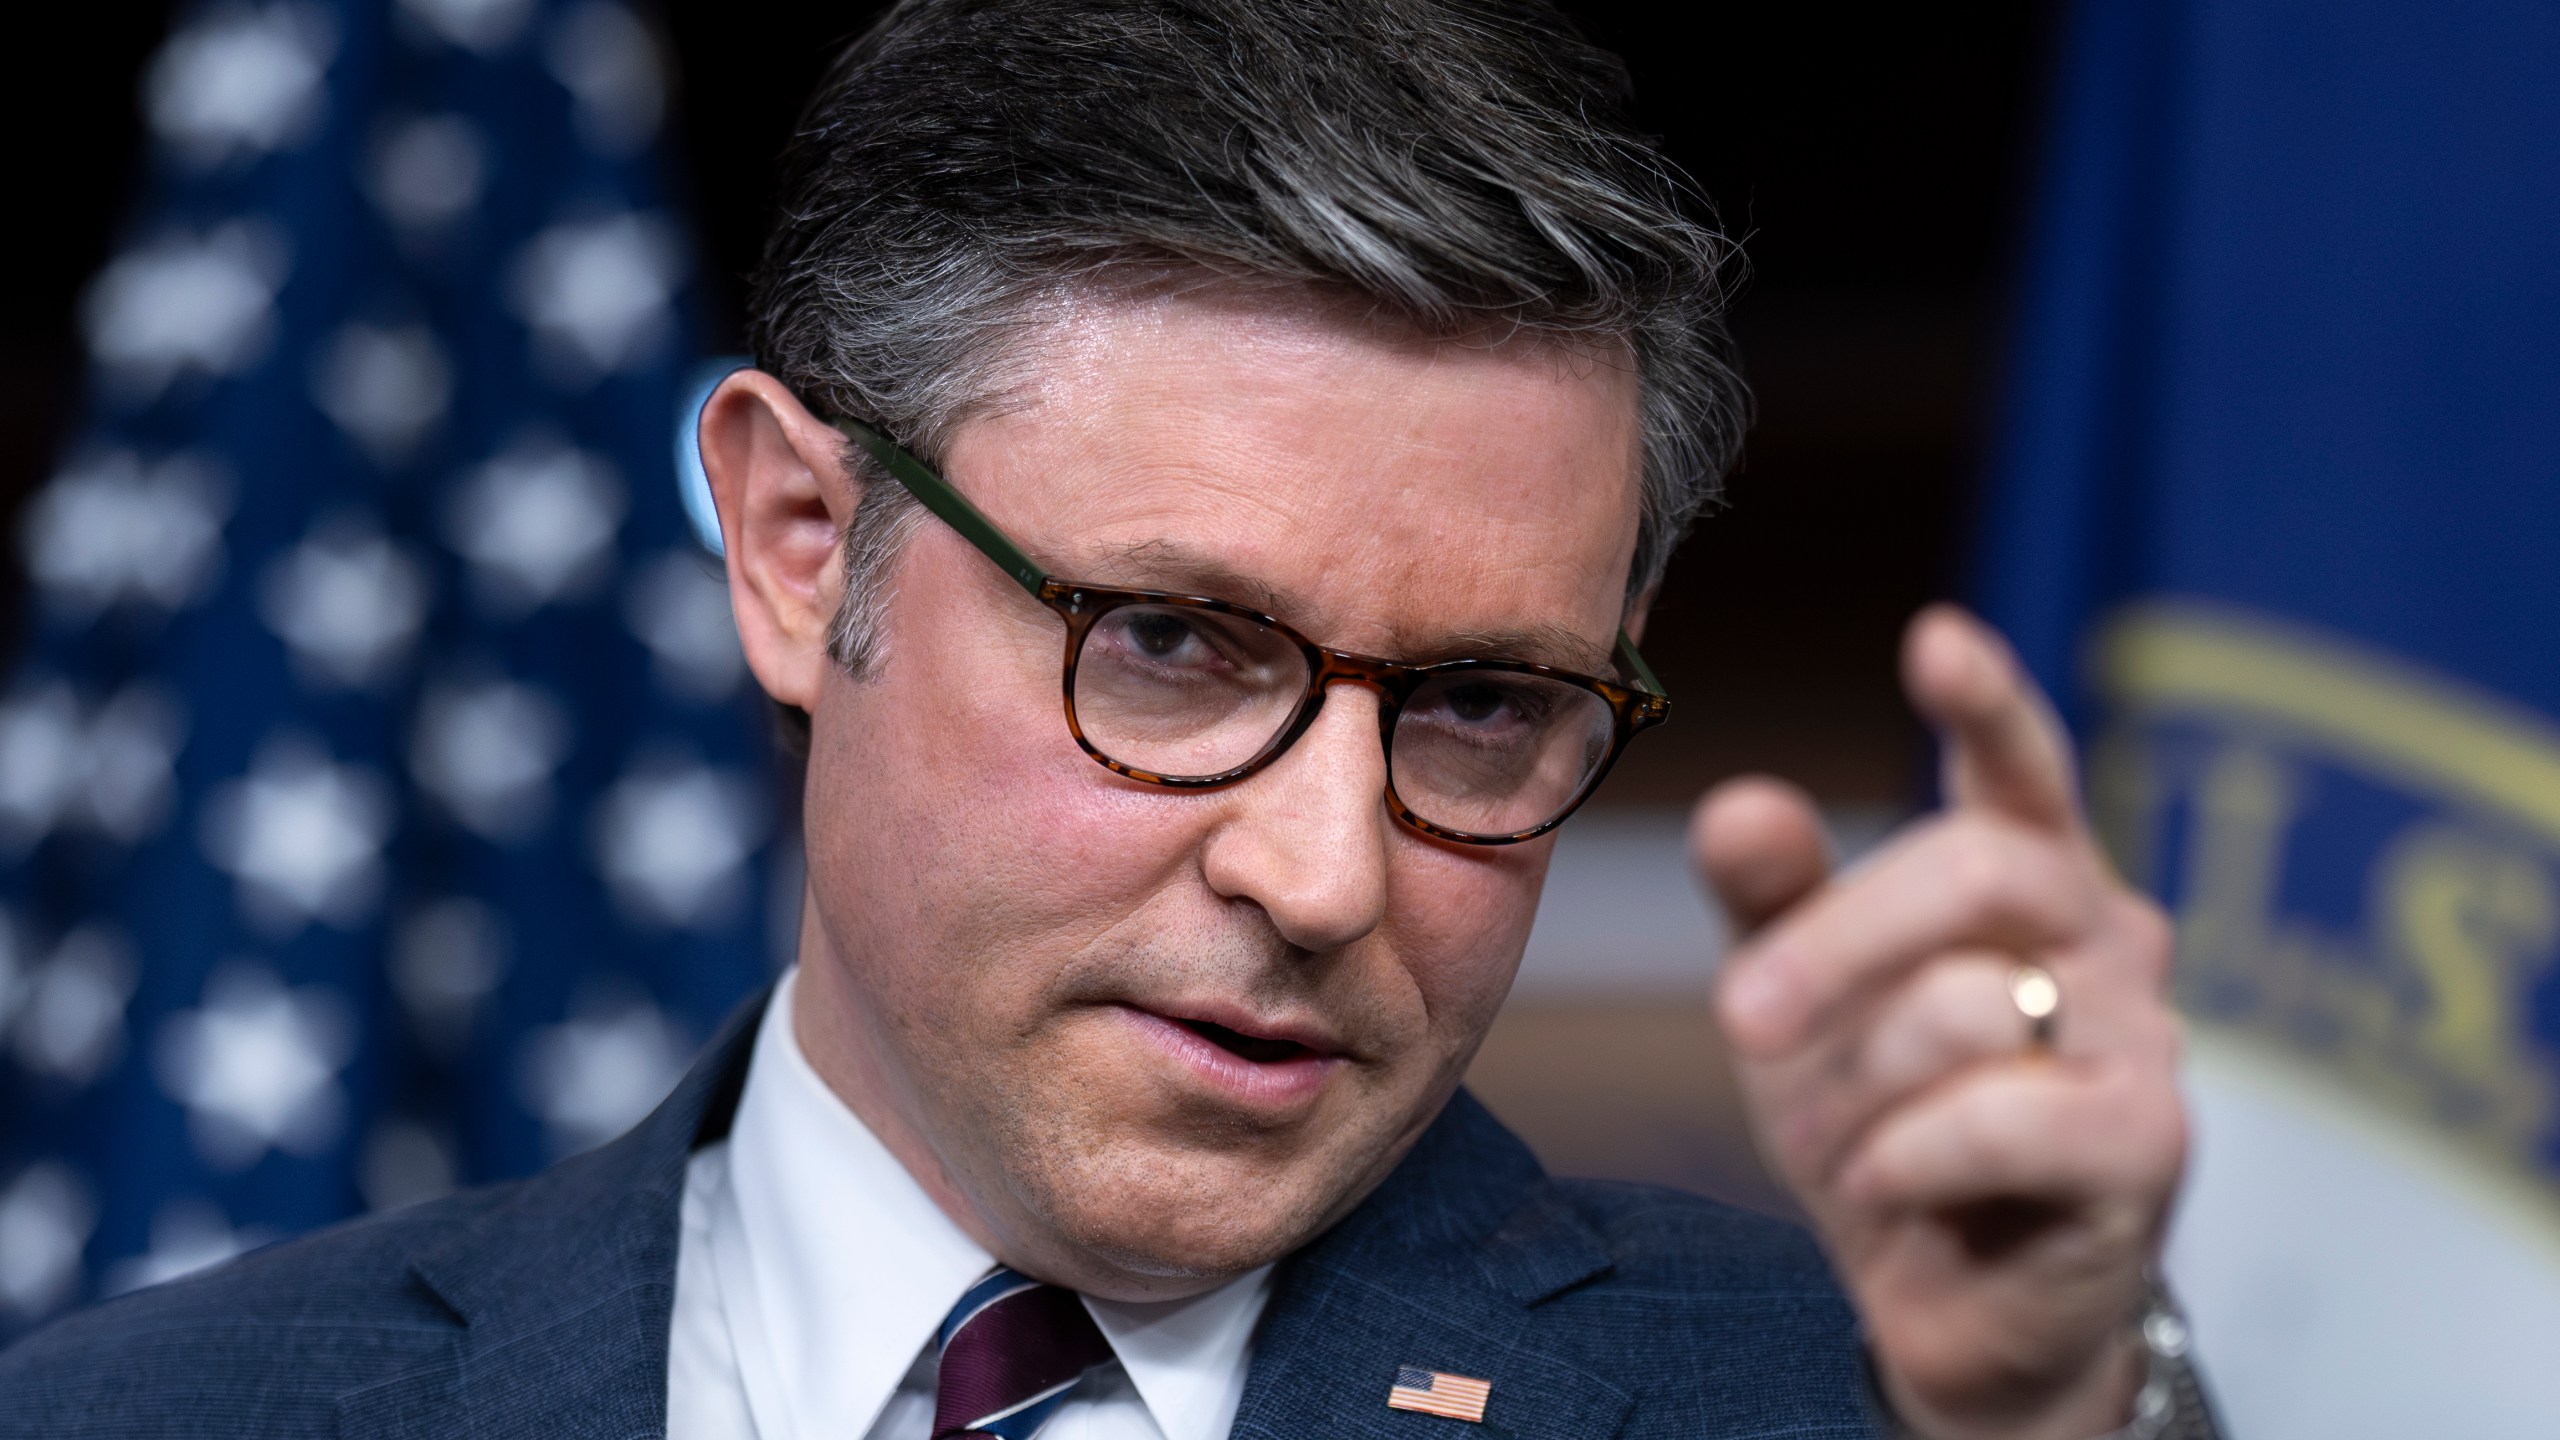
1463	168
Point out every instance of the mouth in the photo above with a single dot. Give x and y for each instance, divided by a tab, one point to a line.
1275	1068
1260	1049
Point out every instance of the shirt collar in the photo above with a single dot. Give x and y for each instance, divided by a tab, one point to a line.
1187	1358
850	1267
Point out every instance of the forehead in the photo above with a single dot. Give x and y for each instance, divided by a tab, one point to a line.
1379	490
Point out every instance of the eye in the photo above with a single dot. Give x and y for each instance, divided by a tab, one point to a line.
1159	636
1166	640
1476	703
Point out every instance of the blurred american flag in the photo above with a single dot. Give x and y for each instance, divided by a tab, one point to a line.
383	803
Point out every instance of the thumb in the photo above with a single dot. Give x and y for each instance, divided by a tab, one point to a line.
1758	844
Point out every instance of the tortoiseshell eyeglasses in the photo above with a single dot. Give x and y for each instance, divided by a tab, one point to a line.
1191	692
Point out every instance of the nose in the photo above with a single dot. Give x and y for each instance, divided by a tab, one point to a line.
1307	838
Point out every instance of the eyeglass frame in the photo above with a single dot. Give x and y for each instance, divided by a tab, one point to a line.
1633	709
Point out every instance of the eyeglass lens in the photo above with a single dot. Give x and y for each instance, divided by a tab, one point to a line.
1188	693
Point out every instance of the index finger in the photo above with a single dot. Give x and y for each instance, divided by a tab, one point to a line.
2005	748
1951	884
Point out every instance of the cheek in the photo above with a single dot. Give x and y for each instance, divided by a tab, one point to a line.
1462	920
1059	846
960	831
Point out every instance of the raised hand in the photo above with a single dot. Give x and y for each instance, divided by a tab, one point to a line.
1991	1199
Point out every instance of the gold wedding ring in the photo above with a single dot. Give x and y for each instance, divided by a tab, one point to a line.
2038	996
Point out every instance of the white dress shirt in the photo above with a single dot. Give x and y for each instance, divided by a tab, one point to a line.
813	1270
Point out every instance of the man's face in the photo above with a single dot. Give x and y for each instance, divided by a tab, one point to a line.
1140	1039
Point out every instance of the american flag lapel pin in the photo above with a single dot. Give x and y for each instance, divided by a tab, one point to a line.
1433	1393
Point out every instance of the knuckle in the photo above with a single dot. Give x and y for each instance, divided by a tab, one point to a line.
1899	1053
1795	1141
1934	1024
2001	880
2150	1112
2169	1130
2150	937
1975	1123
2177	1135
1977	869
1733	1016
2152	1132
1964	1004
1882	1167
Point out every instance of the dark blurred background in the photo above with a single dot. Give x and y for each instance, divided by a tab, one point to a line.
1872	160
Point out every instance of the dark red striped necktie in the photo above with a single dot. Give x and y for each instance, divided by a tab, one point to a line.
1011	1350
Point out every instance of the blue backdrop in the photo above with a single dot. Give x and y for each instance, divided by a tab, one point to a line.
383	804
2277	511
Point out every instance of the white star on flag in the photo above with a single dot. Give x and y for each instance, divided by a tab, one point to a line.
384	385
240	82
113	528
673	840
404	1163
41	758
447	958
69	1010
186	1236
129	775
13	967
46	1215
346	601
302	836
427	172
537	524
597	293
485	750
186	303
481	26
592	1076
106	769
679	607
256	1066
604	57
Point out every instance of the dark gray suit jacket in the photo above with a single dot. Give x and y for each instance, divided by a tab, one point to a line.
541	1309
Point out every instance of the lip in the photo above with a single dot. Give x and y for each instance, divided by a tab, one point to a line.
1273	1086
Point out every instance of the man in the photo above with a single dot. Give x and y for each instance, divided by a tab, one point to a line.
1134	376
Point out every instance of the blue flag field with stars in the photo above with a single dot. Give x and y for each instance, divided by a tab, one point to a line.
384	805
2277	521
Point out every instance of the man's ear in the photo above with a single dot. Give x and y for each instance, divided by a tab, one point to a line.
778	476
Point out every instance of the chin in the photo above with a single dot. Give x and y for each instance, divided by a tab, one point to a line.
1162	1216
1193	1218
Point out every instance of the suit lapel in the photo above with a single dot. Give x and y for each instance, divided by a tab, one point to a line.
1442	1269
565	1287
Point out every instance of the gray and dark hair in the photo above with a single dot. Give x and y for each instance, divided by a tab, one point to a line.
1462	168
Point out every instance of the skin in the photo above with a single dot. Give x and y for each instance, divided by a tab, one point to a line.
1990	1206
1002	939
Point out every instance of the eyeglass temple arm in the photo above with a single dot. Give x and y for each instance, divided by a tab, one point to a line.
935	494
1636	667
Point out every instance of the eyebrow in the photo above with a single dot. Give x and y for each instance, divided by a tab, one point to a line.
1541	644
1168	564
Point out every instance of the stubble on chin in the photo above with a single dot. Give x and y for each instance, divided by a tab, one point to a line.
1102	1160
1188	1196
